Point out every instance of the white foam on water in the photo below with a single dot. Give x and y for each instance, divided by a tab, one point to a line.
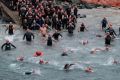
77	66
54	63
37	71
14	66
109	61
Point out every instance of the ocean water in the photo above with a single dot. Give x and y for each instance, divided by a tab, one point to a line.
101	62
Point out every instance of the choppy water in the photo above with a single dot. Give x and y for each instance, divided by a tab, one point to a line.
101	62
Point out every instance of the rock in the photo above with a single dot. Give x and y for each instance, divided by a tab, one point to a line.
114	3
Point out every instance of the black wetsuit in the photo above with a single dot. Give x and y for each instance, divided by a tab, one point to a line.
70	29
64	54
56	35
10	30
104	23
7	46
49	41
28	73
67	66
82	28
107	40
28	36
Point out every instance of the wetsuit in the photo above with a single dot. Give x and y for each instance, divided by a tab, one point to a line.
82	28
56	35
112	32
107	40
10	30
70	29
67	66
49	41
7	46
28	36
104	23
64	54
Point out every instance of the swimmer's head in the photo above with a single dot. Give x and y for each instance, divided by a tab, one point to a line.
7	41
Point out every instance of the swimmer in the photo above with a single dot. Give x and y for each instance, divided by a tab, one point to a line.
84	42
49	41
104	23
43	30
10	29
56	35
115	61
21	58
7	46
70	28
67	66
43	62
28	35
82	28
30	72
64	53
94	50
89	69
108	39
38	53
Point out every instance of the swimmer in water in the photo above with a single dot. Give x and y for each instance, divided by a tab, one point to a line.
94	50
84	42
21	58
10	29
30	72
115	61
7	46
70	28
49	41
108	39
43	30
64	53
82	28
56	35
67	66
43	62
28	35
89	69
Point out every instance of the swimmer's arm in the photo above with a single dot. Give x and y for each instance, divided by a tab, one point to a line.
3	46
60	35
86	29
6	30
114	32
24	36
33	36
12	45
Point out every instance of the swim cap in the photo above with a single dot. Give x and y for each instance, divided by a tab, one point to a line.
38	53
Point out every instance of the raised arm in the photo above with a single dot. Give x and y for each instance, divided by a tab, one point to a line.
12	45
3	46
